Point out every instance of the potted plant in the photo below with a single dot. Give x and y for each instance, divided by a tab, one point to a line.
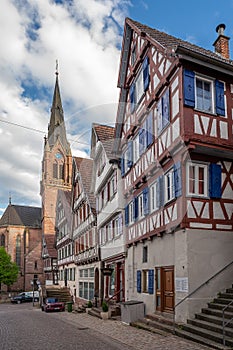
104	314
89	306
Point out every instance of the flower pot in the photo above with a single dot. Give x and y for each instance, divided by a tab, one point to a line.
104	315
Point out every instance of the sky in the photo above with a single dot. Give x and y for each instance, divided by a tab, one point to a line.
85	36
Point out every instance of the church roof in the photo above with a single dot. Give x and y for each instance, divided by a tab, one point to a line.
56	129
19	215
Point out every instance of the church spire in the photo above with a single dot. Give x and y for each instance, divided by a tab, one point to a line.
56	127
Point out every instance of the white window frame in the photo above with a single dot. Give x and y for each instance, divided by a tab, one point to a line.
136	154
212	102
197	166
131	210
153	197
145	281
140	206
139	87
169	186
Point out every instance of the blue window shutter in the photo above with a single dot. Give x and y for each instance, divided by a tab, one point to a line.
127	215
139	281
151	281
135	208
165	109
146	75
122	165
146	201
219	91
215	181
130	154
159	116
149	130
132	97
141	137
189	90
177	179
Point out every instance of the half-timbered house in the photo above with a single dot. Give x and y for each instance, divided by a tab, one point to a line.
86	248
174	137
64	241
109	204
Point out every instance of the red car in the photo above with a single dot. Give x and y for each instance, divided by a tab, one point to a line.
52	304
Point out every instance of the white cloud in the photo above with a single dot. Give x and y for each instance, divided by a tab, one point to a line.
85	38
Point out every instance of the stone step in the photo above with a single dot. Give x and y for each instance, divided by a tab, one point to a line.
95	312
208	334
213	319
226	295
201	340
154	324
147	327
164	319
221	300
211	327
217	306
216	312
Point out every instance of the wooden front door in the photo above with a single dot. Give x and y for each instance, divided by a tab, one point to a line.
165	289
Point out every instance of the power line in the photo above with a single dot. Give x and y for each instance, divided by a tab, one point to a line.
37	130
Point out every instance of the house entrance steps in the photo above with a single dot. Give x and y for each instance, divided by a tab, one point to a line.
205	328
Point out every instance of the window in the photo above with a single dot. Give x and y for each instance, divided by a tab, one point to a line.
145	281
136	149
131	212
153	196
140	206
18	250
204	93
2	243
163	111
197	179
140	85
144	254
133	55
169	186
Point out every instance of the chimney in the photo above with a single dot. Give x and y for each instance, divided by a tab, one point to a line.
221	44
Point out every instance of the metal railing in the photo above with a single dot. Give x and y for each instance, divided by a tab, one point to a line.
198	288
114	295
224	324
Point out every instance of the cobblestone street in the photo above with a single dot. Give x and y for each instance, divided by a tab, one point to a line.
138	339
24	327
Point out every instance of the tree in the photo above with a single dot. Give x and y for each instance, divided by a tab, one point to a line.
8	269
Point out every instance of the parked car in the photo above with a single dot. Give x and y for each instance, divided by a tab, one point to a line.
36	294
52	304
21	298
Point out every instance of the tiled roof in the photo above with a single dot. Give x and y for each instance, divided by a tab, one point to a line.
85	167
19	215
171	42
105	135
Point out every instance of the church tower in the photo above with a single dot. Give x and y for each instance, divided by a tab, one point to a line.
56	174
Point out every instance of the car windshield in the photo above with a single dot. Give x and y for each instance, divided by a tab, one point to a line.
51	300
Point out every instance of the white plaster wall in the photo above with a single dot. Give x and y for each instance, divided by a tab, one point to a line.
196	255
113	248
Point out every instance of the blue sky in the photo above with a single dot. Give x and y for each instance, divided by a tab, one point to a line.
85	36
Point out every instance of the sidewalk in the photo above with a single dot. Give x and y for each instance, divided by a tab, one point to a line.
136	338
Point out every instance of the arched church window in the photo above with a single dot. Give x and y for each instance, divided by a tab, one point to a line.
3	239
61	171
55	170
18	250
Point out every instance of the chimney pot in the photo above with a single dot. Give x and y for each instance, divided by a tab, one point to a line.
221	44
220	29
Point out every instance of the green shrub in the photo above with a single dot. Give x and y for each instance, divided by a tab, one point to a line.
89	304
104	306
